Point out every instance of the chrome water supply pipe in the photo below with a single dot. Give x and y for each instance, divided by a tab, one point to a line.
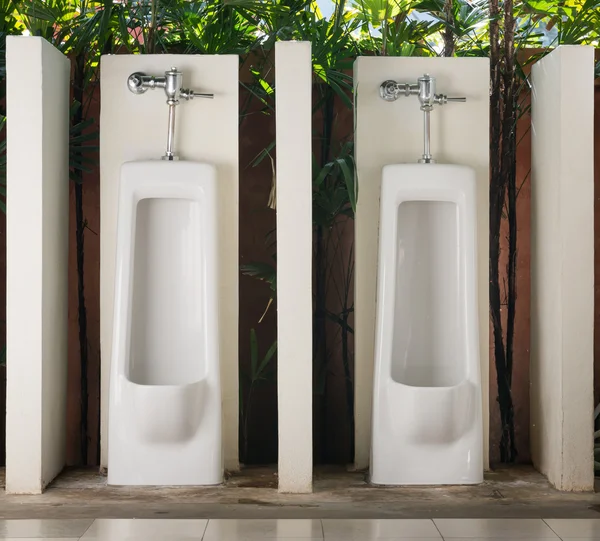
138	83
425	90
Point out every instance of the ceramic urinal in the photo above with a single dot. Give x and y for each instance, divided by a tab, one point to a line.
427	425
165	395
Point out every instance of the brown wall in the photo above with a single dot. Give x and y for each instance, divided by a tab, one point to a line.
257	235
257	130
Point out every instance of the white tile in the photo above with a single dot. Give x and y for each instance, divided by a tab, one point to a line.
145	529
239	530
494	528
366	529
438	538
578	527
39	538
519	538
52	528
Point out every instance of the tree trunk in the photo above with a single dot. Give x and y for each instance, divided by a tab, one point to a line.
502	181
508	172
448	30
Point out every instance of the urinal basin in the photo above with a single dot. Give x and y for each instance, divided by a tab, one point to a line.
427	426
431	415
165	395
165	413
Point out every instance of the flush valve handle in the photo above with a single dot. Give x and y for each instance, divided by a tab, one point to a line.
188	94
442	99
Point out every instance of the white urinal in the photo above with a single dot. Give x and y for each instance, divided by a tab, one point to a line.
165	394
427	426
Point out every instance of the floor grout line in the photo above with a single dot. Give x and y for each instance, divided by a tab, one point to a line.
436	527
205	528
87	529
551	529
322	528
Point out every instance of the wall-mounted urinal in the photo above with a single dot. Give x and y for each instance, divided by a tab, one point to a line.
165	393
427	425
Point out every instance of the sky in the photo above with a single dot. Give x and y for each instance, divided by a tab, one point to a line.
326	7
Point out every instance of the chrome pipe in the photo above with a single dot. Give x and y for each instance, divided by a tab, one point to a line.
427	158
169	154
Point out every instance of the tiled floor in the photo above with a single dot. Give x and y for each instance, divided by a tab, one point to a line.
301	530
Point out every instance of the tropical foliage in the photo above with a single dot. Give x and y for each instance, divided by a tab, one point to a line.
339	31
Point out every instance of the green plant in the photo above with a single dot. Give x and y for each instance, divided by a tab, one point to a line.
260	371
265	272
86	29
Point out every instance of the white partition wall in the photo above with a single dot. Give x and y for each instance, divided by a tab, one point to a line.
293	108
390	133
37	103
134	127
562	267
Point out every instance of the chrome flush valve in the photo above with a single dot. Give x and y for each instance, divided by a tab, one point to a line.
139	83
425	90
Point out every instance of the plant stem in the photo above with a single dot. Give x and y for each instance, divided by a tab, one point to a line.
502	145
152	28
448	32
509	174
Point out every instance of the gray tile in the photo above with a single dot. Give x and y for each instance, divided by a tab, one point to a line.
470	528
438	538
498	538
250	529
52	528
146	529
575	528
366	529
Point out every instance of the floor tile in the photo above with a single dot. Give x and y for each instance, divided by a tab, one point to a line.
39	538
366	530
52	529
494	528
438	538
145	529
239	530
519	538
581	527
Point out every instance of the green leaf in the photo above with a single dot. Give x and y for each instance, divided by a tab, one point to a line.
263	154
253	354
350	184
267	358
262	271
